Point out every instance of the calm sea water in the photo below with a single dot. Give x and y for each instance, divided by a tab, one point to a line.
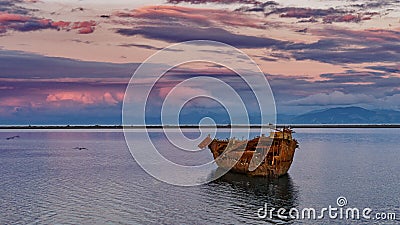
44	180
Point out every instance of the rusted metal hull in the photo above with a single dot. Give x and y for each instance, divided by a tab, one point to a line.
262	156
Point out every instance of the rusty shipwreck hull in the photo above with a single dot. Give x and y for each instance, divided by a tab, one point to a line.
269	156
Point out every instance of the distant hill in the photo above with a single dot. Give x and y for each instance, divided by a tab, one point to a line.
345	115
339	115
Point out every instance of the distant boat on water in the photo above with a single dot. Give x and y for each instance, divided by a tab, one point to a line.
13	137
269	156
80	148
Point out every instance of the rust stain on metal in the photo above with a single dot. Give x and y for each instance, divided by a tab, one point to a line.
205	142
269	156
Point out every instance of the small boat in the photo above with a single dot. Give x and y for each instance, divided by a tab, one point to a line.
13	137
80	148
268	156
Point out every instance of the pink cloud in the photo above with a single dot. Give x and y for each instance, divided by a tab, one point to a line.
61	24
9	21
85	97
9	17
343	18
86	30
253	2
194	15
14	102
83	24
84	27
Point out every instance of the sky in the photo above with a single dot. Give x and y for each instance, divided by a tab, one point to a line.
69	61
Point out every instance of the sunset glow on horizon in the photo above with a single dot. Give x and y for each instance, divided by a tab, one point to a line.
68	62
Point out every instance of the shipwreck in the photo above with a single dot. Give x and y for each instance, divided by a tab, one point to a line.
268	156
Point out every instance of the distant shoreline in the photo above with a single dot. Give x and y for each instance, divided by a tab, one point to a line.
37	127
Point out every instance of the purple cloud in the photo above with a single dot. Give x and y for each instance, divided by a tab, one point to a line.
253	2
186	33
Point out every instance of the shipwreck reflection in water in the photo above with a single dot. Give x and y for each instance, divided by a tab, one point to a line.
252	193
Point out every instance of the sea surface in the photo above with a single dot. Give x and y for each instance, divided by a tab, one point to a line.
44	179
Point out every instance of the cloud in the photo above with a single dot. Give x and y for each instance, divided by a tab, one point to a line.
140	46
74	101
366	37
9	17
389	69
384	53
261	7
390	102
24	23
253	2
78	84
178	95
30	25
336	46
89	115
295	12
197	16
369	88
54	102
61	24
22	65
13	7
328	15
333	98
345	18
375	4
85	97
84	27
341	46
186	33
306	14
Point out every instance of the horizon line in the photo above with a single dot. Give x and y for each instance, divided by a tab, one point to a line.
189	126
